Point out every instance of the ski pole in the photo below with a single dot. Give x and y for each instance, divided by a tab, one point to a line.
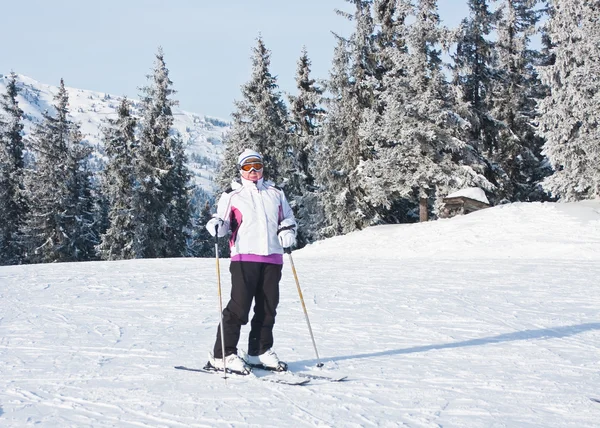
289	253
220	300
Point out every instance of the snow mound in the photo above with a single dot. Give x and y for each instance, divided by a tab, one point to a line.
513	231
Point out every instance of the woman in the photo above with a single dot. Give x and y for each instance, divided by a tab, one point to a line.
262	224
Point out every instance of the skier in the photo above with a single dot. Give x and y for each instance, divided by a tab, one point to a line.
262	224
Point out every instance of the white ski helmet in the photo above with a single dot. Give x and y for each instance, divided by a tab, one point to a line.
249	154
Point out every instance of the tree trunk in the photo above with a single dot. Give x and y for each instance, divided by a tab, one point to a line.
423	209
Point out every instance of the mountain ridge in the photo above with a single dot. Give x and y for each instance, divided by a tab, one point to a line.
202	135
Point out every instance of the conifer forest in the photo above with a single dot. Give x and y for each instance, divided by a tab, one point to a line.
411	111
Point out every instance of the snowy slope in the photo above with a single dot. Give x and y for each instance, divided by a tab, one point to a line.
201	134
486	320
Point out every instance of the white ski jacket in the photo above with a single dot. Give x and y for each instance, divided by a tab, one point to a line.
254	213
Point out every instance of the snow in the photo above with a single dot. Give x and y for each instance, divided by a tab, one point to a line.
474	193
488	319
202	135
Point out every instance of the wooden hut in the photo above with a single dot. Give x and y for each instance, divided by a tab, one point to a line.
464	202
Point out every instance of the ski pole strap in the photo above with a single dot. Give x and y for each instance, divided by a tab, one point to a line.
292	226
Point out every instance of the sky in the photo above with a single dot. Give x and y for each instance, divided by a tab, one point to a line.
110	46
485	320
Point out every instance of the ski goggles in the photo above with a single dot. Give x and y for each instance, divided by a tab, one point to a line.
256	166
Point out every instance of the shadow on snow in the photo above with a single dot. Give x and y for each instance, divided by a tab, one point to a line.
545	333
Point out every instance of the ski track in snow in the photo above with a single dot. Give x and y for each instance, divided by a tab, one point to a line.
498	327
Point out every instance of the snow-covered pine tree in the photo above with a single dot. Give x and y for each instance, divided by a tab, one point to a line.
13	200
389	37
363	63
568	118
60	227
340	196
331	178
161	201
516	150
233	143
419	151
387	15
83	200
179	209
390	23
473	64
343	150
306	115
390	41
547	57
260	122
473	75
202	244
118	181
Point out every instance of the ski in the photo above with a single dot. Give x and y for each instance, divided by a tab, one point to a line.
272	379
321	377
304	375
595	400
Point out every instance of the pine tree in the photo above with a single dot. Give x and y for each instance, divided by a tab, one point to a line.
343	149
473	64
179	188
161	199
420	150
329	179
82	202
340	203
390	44
202	243
13	201
516	150
60	228
306	115
473	76
120	145
568	118
260	122
390	35
547	57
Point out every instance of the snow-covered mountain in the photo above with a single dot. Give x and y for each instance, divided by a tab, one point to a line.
485	320
202	134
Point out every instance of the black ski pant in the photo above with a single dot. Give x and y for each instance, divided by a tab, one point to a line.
250	281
